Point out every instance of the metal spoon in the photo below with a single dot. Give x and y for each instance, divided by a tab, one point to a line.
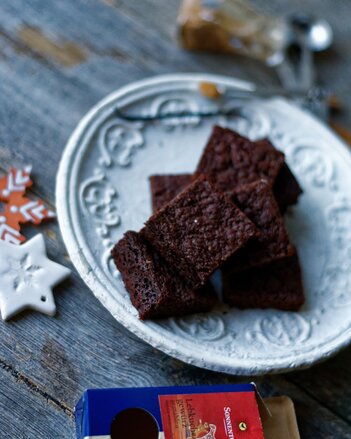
318	33
312	35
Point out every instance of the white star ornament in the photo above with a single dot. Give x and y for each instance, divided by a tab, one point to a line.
27	278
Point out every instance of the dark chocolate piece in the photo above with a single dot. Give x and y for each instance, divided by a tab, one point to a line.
257	201
165	187
286	188
155	288
276	285
255	160
198	230
230	159
216	161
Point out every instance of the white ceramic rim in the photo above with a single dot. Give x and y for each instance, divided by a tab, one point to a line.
65	187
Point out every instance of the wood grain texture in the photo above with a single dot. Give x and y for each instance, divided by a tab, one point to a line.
27	413
58	58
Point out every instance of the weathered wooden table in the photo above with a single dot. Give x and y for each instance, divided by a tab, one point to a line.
57	59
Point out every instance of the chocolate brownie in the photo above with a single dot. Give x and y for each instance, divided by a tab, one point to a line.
276	285
286	188
155	288
254	160
165	187
257	201
216	161
230	159
198	230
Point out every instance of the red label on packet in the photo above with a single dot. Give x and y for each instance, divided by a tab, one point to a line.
211	416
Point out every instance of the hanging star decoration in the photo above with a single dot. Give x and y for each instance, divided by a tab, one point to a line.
28	277
18	208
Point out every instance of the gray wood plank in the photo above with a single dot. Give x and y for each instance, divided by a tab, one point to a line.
27	413
42	100
329	383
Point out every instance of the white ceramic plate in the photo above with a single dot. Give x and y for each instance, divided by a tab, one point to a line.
102	191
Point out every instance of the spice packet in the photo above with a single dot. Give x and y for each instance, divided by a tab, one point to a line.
233	411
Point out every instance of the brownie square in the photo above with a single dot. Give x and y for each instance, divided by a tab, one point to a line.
230	159
286	188
198	230
257	201
216	161
156	290
255	160
165	187
276	285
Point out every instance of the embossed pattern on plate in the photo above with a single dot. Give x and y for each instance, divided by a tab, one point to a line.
102	191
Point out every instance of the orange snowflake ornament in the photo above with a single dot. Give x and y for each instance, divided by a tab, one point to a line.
15	182
19	209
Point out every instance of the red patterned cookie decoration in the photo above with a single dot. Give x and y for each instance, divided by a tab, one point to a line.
9	233
15	182
18	208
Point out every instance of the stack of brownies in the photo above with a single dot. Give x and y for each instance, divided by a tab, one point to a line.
227	215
